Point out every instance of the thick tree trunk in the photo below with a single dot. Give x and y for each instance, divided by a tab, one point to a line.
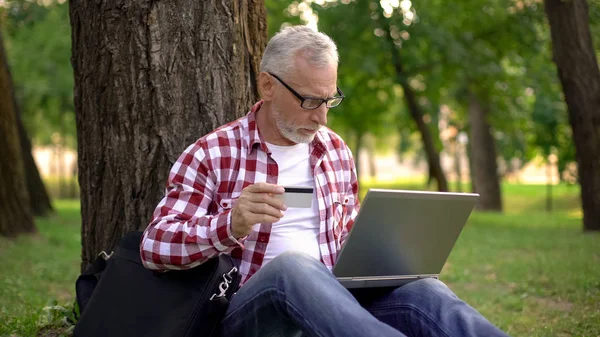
579	75
151	77
15	211
483	155
38	195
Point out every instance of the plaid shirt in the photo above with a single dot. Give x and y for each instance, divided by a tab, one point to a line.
192	222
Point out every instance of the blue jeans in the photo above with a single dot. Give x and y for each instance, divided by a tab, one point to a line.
296	295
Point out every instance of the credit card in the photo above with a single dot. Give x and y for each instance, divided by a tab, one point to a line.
300	197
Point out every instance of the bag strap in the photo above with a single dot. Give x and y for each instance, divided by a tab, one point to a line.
98	265
87	281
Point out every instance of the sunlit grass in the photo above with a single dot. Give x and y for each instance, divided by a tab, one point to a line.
38	269
530	272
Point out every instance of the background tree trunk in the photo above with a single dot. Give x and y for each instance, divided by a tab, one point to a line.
483	155
435	170
433	156
579	75
471	164
151	77
357	151
15	211
39	199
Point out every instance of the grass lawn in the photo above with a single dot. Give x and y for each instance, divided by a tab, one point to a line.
530	272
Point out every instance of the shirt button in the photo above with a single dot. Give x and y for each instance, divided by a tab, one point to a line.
224	204
346	200
262	238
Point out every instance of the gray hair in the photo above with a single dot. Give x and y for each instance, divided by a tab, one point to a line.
318	48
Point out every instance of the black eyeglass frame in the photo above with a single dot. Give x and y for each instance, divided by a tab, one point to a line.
305	98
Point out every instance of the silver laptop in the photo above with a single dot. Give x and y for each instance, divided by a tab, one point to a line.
402	236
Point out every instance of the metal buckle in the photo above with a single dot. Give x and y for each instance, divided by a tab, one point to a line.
224	285
105	256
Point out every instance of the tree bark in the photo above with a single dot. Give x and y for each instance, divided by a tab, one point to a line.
15	210
483	155
575	59
151	77
38	195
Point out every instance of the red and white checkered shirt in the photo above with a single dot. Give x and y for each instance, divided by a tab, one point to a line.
192	222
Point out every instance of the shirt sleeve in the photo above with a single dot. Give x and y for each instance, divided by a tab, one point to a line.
181	234
353	204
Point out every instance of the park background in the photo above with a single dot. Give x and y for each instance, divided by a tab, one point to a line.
460	96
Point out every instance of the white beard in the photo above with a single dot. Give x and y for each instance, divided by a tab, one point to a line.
290	131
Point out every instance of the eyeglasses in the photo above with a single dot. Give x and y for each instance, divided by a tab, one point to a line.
311	103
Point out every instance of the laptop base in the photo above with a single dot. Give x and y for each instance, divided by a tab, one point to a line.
380	281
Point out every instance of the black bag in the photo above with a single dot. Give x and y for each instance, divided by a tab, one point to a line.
118	296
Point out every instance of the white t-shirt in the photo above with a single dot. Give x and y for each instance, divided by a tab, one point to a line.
298	230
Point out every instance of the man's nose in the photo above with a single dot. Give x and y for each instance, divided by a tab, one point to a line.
319	115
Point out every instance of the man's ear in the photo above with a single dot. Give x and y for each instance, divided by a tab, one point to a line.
265	86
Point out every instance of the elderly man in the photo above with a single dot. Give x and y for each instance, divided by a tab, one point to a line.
222	197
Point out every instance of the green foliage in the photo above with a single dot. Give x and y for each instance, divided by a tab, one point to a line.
57	317
497	50
371	102
278	14
38	44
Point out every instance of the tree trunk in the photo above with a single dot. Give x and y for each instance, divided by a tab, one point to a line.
483	156
433	156
373	163
357	149
151	77
38	195
371	146
458	165
548	185
15	210
575	59
471	164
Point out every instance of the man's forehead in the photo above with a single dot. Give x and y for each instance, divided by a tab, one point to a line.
305	73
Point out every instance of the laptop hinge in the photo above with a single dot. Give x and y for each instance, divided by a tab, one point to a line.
436	276
382	278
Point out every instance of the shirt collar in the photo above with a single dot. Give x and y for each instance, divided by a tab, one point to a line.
254	136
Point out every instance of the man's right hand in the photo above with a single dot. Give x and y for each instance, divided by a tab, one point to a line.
256	204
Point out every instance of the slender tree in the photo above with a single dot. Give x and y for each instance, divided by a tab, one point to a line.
579	75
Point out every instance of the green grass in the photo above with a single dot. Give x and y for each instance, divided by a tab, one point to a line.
38	269
530	272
